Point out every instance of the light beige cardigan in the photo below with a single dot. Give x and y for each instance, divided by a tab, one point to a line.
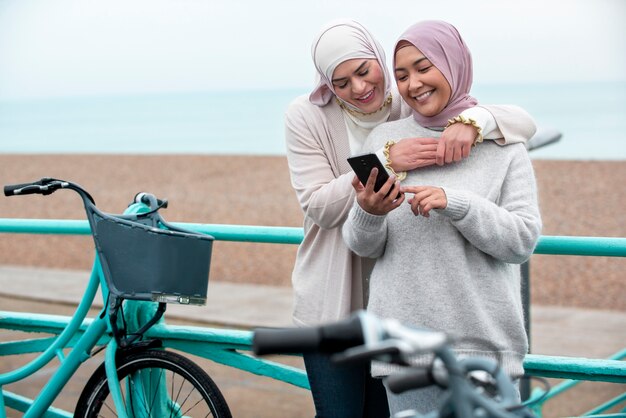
328	279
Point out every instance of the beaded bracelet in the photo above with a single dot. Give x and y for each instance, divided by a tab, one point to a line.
468	121
401	175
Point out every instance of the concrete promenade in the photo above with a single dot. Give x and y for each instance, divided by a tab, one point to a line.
554	330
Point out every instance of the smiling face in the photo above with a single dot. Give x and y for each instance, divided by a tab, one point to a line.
361	83
421	84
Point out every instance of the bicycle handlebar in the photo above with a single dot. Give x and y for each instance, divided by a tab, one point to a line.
366	337
361	337
327	338
48	185
44	186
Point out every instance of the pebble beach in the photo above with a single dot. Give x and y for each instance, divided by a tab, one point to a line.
577	198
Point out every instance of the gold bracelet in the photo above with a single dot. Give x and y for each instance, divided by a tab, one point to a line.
468	121
401	175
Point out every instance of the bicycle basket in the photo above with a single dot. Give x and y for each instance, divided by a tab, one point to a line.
143	262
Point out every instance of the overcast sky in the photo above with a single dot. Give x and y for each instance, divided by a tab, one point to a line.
85	47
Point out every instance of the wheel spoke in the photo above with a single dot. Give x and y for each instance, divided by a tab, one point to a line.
193	406
109	408
180	389
154	391
137	393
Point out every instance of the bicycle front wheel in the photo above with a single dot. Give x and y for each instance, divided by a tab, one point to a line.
154	383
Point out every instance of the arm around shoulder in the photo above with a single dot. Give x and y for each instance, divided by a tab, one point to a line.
514	124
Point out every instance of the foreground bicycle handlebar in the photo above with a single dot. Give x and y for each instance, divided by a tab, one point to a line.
476	386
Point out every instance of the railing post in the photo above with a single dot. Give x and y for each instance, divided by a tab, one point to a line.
525	288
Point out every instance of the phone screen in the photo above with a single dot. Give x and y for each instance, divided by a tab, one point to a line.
362	166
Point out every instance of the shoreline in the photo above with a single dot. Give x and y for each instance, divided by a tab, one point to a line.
577	198
189	154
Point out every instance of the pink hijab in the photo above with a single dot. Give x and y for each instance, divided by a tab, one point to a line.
442	44
339	41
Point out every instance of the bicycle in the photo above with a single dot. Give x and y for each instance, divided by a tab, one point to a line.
475	387
138	378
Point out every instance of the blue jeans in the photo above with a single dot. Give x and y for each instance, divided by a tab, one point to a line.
344	391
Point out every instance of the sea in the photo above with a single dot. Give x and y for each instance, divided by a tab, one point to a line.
589	117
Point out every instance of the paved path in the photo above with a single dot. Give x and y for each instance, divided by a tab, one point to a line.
227	304
554	330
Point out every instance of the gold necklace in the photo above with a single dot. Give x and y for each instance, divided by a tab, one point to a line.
357	113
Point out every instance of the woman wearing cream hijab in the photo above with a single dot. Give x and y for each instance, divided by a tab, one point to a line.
353	95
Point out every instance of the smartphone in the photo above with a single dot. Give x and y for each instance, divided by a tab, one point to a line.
362	166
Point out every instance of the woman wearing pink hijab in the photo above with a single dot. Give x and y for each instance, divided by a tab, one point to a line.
449	259
354	95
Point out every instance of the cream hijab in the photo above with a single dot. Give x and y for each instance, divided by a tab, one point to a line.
339	41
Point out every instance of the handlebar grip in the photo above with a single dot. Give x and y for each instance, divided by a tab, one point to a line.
26	188
285	341
45	186
413	379
324	339
342	335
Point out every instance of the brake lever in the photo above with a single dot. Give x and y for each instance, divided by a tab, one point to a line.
51	187
42	188
389	351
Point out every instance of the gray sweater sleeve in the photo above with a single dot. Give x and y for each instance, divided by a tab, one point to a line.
365	234
508	230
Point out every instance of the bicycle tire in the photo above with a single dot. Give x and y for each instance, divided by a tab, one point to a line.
191	392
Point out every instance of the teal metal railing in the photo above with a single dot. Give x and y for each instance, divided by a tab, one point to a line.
539	396
231	347
556	245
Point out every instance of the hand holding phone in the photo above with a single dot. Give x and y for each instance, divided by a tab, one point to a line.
363	165
370	202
